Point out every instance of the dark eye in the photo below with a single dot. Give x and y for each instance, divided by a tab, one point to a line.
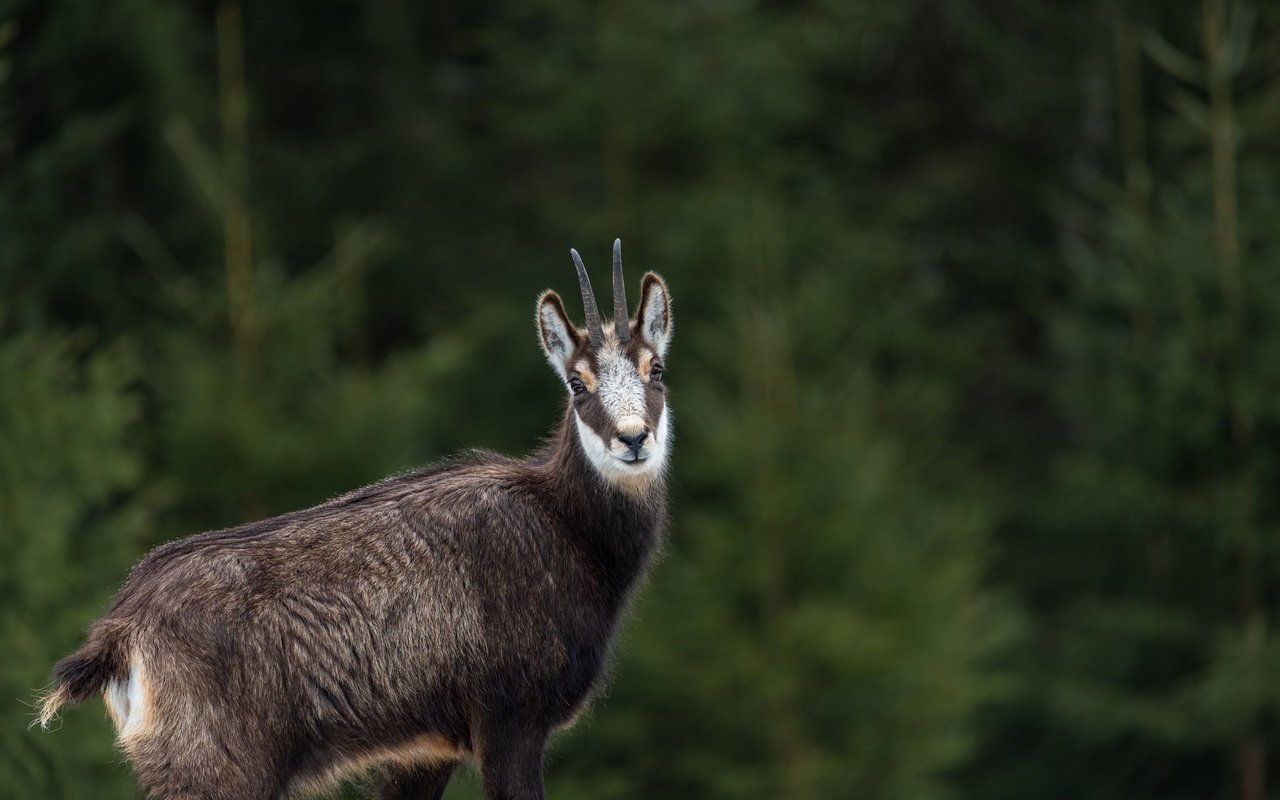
577	386
656	372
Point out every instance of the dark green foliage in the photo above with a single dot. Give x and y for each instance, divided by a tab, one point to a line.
75	509
973	375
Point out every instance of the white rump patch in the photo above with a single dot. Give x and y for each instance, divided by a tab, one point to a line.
127	701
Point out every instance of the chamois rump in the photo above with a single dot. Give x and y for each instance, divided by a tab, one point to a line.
459	613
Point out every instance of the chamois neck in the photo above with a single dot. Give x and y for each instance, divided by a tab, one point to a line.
616	530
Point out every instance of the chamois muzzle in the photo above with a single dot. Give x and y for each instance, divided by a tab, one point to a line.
634	441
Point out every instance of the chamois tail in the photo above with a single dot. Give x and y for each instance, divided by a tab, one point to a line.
83	673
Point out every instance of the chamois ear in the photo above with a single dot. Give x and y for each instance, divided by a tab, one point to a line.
558	336
653	321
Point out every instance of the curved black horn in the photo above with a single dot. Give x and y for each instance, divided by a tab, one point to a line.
621	317
594	333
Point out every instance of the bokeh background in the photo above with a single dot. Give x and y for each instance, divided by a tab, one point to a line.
976	368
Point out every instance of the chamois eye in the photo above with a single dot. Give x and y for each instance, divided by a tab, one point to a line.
577	386
656	372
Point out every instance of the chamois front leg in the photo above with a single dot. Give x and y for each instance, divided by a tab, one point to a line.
511	764
418	782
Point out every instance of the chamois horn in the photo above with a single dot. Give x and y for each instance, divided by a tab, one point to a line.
595	335
621	318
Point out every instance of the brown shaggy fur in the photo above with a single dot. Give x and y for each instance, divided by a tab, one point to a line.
459	613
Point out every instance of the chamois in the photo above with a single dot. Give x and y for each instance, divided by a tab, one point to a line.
457	614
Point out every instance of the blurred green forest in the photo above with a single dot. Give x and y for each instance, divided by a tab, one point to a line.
975	373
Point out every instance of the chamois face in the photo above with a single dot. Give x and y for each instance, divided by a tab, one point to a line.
615	381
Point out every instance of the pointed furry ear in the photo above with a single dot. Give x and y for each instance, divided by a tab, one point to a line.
558	336
653	321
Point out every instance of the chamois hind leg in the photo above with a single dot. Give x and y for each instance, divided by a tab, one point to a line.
511	764
417	782
203	759
182	771
202	776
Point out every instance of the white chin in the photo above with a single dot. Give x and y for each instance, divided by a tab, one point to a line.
635	466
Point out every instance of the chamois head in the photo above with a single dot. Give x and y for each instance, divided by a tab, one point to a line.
614	375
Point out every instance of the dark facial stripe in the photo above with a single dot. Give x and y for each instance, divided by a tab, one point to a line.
654	399
592	412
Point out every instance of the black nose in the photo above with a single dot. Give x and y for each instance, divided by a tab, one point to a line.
633	440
